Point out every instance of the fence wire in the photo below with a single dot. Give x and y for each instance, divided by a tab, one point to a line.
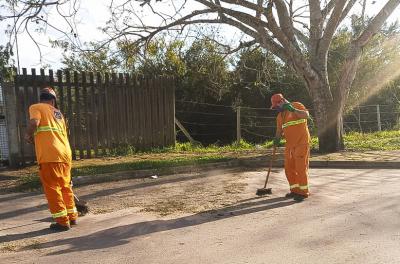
210	123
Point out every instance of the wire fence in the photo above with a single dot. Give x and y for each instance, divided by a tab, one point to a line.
215	123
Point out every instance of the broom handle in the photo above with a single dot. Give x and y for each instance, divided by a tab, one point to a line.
270	166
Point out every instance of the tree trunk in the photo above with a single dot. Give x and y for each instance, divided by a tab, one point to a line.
329	119
330	134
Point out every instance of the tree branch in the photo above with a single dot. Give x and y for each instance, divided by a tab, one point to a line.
330	28
316	24
376	23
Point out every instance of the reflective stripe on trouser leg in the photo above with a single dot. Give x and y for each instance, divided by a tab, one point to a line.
50	174
59	214
72	211
301	155
290	171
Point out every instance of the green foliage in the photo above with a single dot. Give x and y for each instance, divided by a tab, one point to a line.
380	57
98	60
29	182
384	140
258	74
207	75
122	150
5	63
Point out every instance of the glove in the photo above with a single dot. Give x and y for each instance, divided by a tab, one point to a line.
289	107
276	141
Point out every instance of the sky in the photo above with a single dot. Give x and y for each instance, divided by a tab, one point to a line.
92	15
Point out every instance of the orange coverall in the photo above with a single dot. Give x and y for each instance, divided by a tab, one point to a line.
297	149
53	154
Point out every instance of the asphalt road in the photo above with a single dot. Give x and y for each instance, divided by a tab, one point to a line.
353	216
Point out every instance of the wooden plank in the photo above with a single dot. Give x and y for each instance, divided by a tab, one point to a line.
101	117
51	83
114	110
24	117
19	118
51	78
134	106
171	103
43	81
67	106
107	109
161	109
140	112
129	113
78	126
150	111
61	97
121	109
30	99
94	114
160	106
166	112
146	114
85	116
154	112
71	115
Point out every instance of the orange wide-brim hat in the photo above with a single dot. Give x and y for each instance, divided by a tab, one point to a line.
276	99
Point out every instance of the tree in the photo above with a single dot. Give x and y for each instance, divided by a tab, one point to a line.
5	71
300	35
207	76
301	41
98	60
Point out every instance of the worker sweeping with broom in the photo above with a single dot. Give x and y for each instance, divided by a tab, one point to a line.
292	124
48	131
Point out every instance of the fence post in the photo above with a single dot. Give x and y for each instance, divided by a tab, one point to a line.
12	126
359	119
378	117
238	127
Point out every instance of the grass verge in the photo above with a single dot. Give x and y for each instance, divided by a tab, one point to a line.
187	154
31	181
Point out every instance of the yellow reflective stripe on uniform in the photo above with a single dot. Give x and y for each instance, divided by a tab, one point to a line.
60	214
293	123
294	186
303	187
47	129
72	211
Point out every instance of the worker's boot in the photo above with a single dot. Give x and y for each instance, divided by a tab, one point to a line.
299	197
59	228
73	222
290	195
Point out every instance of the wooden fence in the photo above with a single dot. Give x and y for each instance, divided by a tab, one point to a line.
104	112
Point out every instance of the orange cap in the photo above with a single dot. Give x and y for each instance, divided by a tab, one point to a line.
276	99
48	90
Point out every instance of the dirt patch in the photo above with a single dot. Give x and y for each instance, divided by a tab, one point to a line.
184	193
15	246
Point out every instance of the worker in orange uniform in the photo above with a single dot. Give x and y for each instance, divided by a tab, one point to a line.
47	130
292	124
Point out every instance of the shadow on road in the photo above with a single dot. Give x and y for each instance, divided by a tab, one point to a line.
121	235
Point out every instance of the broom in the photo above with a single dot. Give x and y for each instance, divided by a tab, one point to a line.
81	206
265	190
